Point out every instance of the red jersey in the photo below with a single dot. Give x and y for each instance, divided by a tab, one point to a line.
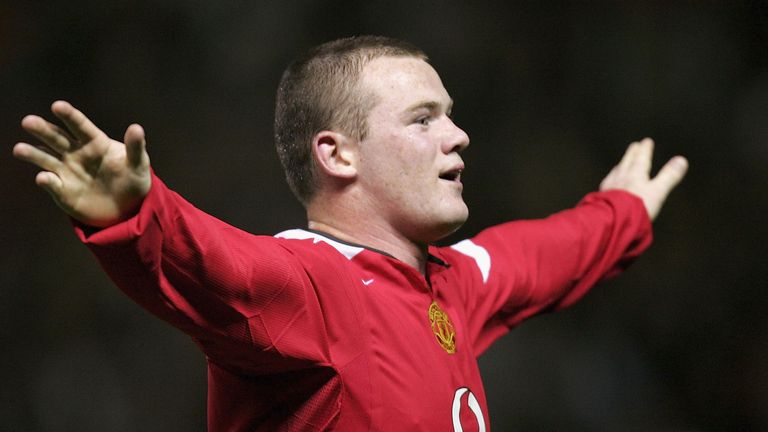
305	332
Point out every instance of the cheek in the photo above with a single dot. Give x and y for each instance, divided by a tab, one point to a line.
416	156
399	164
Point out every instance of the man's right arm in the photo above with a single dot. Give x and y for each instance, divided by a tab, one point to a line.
207	278
233	291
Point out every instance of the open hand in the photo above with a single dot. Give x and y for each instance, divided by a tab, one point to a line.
633	175
93	178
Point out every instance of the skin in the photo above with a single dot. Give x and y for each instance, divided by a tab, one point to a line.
385	192
391	179
93	178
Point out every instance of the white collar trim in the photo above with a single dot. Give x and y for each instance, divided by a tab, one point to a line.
348	251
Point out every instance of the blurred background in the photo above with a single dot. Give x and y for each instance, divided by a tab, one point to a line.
550	92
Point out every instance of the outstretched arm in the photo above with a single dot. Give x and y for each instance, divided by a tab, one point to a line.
527	267
93	178
632	174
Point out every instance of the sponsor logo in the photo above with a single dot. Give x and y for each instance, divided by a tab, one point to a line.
462	404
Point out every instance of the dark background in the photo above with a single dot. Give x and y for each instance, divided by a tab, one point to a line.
550	92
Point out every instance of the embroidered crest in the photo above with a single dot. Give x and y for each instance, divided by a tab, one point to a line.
442	328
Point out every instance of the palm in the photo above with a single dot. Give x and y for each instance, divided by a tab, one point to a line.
95	179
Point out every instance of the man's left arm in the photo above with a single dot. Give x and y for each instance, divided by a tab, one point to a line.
527	267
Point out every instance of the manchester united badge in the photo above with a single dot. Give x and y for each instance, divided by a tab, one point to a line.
442	328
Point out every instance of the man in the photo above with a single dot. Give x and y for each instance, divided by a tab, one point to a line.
357	323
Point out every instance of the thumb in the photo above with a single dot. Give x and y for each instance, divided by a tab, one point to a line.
671	174
135	146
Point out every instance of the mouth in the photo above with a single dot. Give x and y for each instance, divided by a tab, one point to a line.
453	175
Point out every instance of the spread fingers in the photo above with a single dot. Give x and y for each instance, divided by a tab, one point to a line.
57	139
37	156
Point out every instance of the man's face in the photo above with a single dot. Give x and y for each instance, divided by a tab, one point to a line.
409	161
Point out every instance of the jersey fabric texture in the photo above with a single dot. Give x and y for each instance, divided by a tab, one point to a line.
304	332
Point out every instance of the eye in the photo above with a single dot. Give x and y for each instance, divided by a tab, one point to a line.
424	121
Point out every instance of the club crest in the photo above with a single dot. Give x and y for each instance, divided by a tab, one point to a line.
442	328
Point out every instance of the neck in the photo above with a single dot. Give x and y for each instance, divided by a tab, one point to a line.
374	236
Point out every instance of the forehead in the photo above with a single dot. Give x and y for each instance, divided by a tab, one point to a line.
401	80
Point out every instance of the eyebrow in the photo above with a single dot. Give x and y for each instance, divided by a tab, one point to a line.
430	105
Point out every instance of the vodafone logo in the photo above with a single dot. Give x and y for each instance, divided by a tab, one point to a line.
466	412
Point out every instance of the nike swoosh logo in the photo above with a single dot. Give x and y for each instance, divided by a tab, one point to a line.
367	282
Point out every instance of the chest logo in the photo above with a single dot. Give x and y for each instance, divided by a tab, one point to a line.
442	328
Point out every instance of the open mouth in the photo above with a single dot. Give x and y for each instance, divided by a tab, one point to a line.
452	175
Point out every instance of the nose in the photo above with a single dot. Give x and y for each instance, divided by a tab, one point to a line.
456	139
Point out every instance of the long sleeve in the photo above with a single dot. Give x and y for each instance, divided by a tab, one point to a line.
519	269
215	282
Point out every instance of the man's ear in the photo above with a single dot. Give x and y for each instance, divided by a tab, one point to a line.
335	154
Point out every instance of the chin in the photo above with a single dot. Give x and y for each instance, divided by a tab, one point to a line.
448	225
